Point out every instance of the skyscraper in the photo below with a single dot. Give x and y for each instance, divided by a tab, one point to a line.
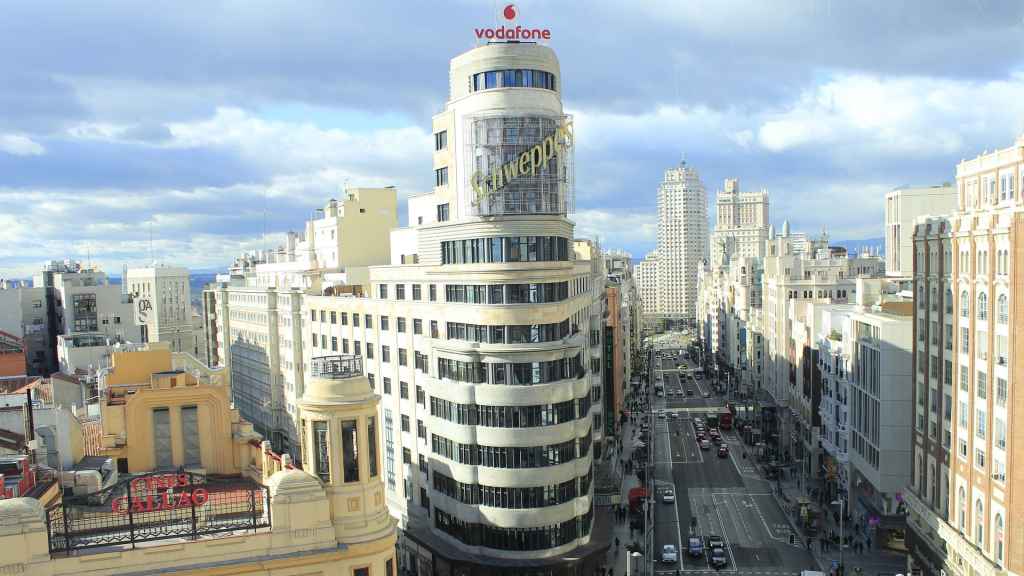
682	240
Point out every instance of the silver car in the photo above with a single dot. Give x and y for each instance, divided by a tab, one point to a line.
669	555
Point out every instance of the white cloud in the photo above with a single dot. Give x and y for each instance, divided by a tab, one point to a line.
616	229
902	115
20	145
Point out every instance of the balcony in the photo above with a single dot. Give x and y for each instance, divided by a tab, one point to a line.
337	367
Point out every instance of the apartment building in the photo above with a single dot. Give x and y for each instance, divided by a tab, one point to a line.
253	313
961	497
26	315
484	335
796	273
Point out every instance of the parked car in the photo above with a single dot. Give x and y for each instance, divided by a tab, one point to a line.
718	558
695	546
669	554
715	542
705	445
723	451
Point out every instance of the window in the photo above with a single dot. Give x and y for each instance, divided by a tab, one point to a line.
401	325
417	292
385	353
357	348
963	509
421	396
162	445
982	306
433	292
322	452
384	323
334	343
417	326
981	385
442	209
421	429
1003	309
400	291
979	523
405	423
344	318
355	321
441	176
369	350
344	345
999	550
965	340
433	329
980	423
371	444
403	390
387	385
350	451
334	317
999	431
383	289
372	379
1001	392
441	140
965	304
369	321
403	357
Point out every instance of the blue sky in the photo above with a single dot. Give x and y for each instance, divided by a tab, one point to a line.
119	117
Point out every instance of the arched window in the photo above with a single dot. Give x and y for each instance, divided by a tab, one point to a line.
982	306
999	539
949	300
979	523
933	485
1003	309
965	304
963	509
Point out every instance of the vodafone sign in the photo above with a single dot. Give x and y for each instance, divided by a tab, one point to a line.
510	33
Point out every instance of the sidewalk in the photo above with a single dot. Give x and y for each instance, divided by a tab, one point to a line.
618	556
871	561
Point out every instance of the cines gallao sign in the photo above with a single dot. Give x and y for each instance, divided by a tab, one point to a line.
509	33
527	163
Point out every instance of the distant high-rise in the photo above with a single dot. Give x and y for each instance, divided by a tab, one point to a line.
682	240
903	206
741	224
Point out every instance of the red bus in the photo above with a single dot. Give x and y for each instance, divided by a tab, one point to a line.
725	420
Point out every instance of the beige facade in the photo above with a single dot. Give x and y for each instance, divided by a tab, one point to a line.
967	363
166	410
331	524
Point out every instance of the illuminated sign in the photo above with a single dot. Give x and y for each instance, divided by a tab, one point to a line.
509	33
145	499
526	164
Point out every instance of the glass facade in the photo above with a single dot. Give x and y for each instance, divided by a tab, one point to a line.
518	78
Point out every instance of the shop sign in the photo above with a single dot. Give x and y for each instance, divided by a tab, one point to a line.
145	498
509	33
526	164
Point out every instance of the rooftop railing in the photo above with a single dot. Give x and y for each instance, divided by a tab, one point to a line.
337	367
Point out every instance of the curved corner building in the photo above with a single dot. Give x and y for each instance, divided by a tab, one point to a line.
483	336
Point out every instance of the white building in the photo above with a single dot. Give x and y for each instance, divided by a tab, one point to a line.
741	224
163	307
484	334
645	274
903	206
252	314
865	364
682	240
24	313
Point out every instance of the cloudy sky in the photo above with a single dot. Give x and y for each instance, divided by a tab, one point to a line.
207	125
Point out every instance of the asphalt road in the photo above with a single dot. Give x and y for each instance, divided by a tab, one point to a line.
727	495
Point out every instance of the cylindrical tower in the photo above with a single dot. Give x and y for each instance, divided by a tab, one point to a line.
511	421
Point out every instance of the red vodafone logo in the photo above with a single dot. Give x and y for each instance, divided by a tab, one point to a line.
509	33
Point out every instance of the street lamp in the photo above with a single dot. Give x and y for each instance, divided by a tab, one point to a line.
842	513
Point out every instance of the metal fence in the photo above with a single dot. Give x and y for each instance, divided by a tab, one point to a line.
155	507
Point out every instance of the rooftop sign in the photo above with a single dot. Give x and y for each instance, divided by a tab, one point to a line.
510	33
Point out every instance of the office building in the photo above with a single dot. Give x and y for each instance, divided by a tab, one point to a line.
903	206
682	241
741	224
484	335
645	274
967	276
163	308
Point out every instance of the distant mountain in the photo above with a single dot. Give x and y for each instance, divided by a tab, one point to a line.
857	245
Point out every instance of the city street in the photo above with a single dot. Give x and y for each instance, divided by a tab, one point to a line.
715	495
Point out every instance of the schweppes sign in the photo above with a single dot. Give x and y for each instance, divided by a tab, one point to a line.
527	164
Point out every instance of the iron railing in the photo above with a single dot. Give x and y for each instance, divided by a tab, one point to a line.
337	367
157	506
